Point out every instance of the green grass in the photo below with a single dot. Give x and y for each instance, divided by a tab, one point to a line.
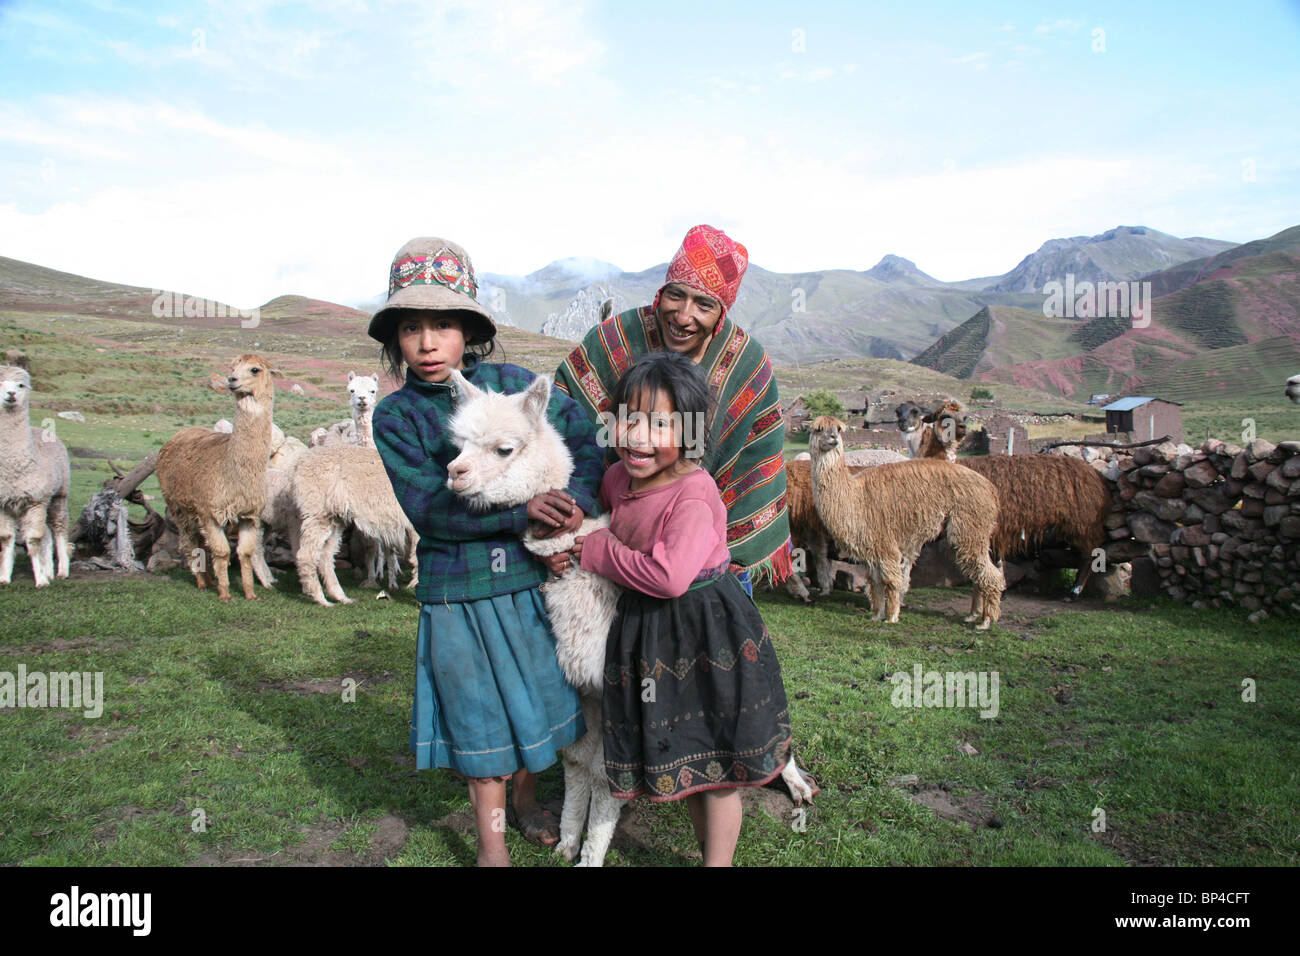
1133	708
230	709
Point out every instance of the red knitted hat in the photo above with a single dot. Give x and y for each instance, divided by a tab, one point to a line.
710	261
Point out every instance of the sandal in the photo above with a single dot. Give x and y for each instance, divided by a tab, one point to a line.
536	826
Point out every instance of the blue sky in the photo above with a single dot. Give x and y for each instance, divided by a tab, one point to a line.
242	150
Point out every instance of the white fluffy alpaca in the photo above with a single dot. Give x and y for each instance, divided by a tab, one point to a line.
1293	388
363	395
509	454
34	482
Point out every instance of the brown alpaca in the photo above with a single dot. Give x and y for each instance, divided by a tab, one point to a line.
943	429
933	434
889	513
210	479
806	529
1038	494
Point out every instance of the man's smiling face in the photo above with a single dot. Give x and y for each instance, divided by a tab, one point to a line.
687	318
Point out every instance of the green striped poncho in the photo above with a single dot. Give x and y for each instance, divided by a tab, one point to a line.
748	463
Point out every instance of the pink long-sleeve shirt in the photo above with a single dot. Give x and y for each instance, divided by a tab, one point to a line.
660	539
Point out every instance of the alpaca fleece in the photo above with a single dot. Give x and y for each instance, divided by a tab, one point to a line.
210	479
34	480
884	516
1046	494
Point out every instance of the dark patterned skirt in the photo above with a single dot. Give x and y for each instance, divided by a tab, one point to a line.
693	694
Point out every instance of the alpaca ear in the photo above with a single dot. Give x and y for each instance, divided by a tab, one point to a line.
351	376
465	390
537	396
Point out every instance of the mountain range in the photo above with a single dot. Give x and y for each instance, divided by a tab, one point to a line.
1220	325
1225	316
891	310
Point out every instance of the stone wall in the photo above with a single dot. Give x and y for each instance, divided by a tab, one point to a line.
1216	526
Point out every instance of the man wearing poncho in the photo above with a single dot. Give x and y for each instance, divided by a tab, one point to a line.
691	314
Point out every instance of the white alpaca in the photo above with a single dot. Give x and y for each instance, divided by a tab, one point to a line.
363	395
285	449
1293	388
34	482
509	454
340	484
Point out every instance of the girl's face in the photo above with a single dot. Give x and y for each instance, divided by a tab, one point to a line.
433	343
647	440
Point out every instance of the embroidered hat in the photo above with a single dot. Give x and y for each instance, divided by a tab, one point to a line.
711	262
435	275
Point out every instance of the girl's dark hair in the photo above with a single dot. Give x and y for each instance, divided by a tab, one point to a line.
390	355
685	385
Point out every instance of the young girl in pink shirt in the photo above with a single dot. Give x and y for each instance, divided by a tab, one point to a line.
694	706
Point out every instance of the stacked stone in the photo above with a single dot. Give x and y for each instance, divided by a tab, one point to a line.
1219	525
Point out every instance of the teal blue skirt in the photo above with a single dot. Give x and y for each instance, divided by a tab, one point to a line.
489	694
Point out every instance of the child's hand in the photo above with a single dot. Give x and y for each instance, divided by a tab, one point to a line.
576	550
555	511
559	562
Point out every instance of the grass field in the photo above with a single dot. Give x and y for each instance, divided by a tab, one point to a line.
239	711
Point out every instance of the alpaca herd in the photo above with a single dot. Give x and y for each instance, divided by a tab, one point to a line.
248	476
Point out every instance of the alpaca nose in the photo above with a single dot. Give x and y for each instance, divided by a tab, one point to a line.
457	469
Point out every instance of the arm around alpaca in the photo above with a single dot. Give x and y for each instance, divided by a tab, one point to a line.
419	483
672	564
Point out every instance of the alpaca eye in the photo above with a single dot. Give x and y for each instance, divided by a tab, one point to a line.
505	452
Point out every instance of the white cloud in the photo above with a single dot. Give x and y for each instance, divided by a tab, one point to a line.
1054	26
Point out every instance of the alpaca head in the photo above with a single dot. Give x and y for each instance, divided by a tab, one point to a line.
949	421
363	391
15	389
909	416
509	451
824	437
251	375
250	380
1293	388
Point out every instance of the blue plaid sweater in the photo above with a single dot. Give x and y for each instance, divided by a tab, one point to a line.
465	555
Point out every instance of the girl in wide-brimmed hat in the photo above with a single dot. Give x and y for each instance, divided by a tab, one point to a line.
490	701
